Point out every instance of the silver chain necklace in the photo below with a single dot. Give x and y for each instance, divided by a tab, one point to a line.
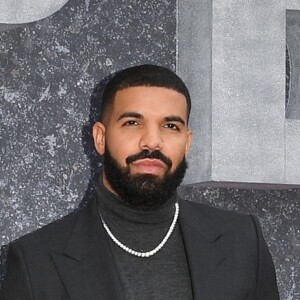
149	253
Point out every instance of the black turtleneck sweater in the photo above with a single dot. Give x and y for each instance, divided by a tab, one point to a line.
164	275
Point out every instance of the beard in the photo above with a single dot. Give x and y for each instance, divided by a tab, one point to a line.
143	190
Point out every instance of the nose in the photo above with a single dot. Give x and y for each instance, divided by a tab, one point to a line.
151	139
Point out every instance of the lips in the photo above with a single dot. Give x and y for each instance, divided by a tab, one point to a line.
148	166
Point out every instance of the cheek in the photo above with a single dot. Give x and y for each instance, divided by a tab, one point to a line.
121	148
176	153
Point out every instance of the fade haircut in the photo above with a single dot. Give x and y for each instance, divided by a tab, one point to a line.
143	75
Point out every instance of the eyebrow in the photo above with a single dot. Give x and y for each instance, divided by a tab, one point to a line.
131	115
140	116
175	119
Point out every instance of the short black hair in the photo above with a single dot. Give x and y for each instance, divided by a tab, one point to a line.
143	75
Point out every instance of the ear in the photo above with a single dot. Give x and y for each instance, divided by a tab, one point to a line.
188	142
99	137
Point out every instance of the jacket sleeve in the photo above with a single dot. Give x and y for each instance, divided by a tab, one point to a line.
266	277
16	285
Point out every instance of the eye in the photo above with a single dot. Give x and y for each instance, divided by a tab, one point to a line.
131	123
172	126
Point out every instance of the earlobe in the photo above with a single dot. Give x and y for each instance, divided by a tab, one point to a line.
99	137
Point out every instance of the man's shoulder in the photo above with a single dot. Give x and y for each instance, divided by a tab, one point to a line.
53	234
211	210
219	217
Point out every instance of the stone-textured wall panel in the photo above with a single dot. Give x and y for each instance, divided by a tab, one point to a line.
292	129
48	72
293	45
25	11
248	47
292	4
194	65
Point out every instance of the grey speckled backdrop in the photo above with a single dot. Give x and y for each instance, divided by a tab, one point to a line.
48	73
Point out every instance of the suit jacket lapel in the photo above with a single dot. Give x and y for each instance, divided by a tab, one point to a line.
207	248
86	266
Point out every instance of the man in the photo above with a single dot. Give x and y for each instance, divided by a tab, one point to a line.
137	239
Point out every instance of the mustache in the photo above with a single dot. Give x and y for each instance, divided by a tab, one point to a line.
156	154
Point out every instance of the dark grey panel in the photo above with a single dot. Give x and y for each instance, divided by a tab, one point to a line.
48	72
5	27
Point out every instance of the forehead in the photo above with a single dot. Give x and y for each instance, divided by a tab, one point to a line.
150	100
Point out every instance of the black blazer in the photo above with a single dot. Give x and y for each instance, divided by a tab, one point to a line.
71	259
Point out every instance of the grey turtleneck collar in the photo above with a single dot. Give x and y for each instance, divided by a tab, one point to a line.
114	206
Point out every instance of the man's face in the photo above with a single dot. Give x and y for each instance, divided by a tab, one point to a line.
145	133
